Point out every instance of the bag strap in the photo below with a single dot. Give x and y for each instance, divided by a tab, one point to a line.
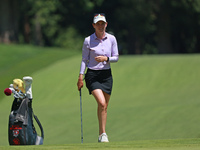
40	125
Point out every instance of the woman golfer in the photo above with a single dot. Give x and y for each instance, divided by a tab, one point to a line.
99	50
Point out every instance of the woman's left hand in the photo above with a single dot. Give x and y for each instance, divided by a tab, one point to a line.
101	58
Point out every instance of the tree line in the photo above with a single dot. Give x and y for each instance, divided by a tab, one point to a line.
140	26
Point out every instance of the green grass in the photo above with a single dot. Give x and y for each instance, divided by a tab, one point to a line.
158	96
21	60
155	98
176	144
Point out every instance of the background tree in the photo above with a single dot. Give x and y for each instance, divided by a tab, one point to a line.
9	15
141	27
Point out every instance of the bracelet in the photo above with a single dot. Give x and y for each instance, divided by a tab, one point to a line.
107	59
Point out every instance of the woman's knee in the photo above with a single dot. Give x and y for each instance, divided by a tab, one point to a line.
103	106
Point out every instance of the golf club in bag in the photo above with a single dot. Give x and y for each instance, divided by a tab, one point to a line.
21	130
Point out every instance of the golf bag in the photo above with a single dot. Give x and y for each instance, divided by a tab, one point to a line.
21	130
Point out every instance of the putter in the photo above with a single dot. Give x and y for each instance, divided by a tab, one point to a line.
81	118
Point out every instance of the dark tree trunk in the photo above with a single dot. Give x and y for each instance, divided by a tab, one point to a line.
9	13
38	31
164	43
27	29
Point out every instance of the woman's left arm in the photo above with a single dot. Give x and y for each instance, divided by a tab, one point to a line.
114	51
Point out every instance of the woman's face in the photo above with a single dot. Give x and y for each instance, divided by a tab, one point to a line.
100	26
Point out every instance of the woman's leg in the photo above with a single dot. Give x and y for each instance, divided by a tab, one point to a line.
102	99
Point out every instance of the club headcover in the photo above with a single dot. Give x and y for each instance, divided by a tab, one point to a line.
18	85
8	91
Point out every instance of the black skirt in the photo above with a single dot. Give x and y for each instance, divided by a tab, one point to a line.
99	79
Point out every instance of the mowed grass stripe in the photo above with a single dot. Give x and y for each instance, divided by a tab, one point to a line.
157	96
17	61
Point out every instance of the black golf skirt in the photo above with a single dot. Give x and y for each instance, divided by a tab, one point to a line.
99	79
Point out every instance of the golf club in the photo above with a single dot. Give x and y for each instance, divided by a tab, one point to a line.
81	118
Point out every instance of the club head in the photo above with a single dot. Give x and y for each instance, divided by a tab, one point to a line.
28	80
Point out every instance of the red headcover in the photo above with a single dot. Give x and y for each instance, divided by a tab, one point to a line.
7	91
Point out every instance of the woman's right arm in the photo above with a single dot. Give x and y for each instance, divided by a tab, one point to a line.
85	59
80	82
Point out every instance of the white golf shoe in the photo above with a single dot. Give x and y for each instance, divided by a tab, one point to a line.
103	138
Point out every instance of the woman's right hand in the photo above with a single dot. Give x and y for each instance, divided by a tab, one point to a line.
80	82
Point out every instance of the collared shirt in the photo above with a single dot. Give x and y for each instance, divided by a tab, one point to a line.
93	47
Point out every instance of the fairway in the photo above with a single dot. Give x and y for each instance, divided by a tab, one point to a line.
154	97
177	144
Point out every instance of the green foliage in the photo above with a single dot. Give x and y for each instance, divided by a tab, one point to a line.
45	17
196	5
135	24
150	49
141	27
89	5
69	39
